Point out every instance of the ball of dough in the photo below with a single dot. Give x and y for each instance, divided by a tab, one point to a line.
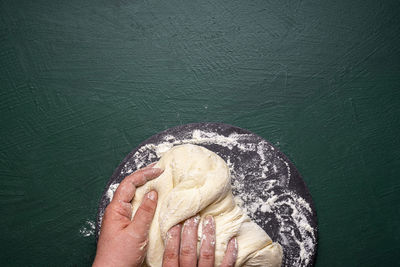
196	181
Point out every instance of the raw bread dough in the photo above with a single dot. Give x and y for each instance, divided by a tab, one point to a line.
197	181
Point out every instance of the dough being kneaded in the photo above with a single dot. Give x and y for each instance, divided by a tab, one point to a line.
197	181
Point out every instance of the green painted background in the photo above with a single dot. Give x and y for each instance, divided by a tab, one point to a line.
84	82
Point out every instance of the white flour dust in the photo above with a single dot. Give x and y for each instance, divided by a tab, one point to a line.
111	190
270	198
87	229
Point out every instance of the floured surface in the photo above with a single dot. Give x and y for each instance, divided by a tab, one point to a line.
264	183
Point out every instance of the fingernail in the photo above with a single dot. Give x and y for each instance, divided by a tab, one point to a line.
152	195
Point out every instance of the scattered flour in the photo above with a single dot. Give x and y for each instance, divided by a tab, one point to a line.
111	190
87	229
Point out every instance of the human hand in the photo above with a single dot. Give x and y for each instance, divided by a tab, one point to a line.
181	245
123	242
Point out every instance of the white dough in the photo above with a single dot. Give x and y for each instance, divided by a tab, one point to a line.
197	181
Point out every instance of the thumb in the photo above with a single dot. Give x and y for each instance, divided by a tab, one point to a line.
140	225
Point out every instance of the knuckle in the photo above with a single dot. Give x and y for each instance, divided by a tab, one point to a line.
147	207
187	251
118	208
207	255
115	208
137	178
140	177
122	190
171	255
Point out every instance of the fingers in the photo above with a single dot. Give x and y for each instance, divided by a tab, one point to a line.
185	254
126	190
188	248
140	177
140	225
207	249
119	211
230	254
171	252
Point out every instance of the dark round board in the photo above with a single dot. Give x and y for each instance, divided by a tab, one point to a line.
265	183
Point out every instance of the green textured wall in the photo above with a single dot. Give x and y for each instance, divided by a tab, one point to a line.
83	82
